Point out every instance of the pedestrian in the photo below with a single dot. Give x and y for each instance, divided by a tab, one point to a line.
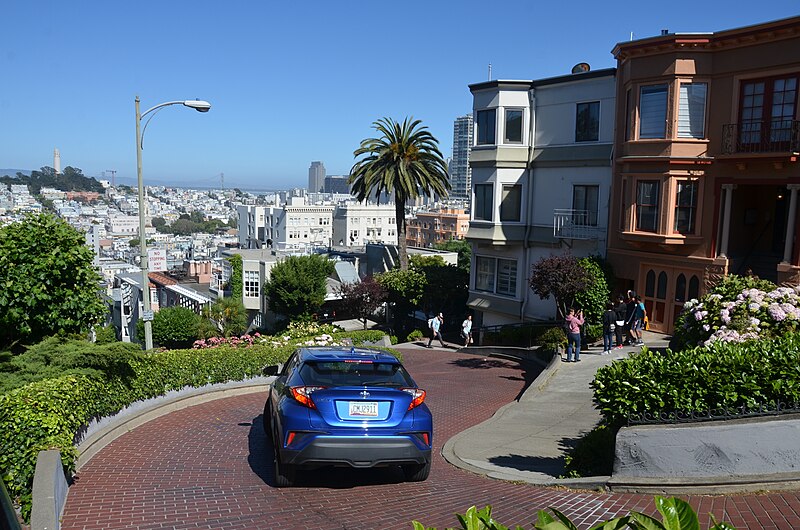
630	307
436	326
609	326
574	322
466	330
620	310
639	315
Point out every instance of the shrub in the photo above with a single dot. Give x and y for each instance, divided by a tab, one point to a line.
553	339
58	356
105	334
415	336
728	310
175	327
721	375
593	299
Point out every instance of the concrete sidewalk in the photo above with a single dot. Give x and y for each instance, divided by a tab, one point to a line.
527	440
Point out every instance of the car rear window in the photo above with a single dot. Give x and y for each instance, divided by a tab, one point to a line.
354	373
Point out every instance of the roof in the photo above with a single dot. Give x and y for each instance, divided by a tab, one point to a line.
346	272
591	74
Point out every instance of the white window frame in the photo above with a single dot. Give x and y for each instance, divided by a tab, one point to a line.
692	109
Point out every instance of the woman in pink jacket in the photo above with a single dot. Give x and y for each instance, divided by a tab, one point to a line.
574	323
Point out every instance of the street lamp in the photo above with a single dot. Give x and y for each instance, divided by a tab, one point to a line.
147	314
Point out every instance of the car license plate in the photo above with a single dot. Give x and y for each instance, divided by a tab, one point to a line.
364	408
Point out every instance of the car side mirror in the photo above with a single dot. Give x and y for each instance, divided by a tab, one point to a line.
273	369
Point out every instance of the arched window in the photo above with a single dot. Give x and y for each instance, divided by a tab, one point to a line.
662	286
680	288
694	288
650	283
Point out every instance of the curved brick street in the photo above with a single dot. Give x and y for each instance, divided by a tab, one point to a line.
209	467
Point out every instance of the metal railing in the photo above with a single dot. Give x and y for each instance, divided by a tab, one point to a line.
767	136
726	413
574	224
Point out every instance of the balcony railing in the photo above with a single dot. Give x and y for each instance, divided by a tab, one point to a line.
574	224
768	136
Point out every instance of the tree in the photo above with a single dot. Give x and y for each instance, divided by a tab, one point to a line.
561	277
49	284
464	249
405	290
405	161
363	298
446	286
297	285
226	317
594	298
158	222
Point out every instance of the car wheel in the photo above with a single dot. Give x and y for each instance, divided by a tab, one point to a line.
266	420
417	472
283	474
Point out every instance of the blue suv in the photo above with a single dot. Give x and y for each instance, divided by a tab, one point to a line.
346	407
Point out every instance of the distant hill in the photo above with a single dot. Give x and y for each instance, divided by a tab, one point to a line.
71	179
13	172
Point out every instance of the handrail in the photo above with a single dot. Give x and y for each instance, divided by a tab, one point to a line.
766	136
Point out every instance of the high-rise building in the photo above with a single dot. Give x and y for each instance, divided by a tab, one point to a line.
460	172
316	177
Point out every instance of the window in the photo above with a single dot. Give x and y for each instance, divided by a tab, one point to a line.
628	116
653	111
513	129
585	199
510	203
483	202
496	275
251	284
767	112
692	110
486	126
647	205
686	207
587	122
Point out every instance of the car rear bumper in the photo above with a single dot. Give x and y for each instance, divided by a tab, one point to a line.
360	452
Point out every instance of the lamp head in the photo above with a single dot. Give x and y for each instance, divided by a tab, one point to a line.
198	105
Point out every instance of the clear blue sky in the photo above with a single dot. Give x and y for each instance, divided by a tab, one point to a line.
289	82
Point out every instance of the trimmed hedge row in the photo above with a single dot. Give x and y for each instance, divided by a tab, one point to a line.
47	414
721	375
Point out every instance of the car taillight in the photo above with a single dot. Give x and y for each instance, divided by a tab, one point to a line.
417	397
302	394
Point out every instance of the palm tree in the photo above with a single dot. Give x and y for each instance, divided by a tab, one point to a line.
405	160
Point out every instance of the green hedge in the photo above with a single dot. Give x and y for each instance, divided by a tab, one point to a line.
722	375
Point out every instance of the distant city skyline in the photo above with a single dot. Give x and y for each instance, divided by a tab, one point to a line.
288	83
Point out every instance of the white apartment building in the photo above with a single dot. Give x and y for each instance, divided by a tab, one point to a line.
122	225
294	225
356	224
541	176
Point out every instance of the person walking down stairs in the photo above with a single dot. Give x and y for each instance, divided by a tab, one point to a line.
435	325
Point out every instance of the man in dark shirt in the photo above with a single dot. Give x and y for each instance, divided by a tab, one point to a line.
630	308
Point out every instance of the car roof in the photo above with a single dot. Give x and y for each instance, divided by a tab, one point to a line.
338	353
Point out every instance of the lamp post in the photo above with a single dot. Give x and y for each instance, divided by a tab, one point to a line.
147	314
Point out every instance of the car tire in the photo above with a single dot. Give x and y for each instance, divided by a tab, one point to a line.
283	474
266	420
417	472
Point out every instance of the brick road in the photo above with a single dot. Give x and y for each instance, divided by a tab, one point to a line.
209	467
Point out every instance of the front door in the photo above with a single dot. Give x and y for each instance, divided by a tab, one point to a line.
665	291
